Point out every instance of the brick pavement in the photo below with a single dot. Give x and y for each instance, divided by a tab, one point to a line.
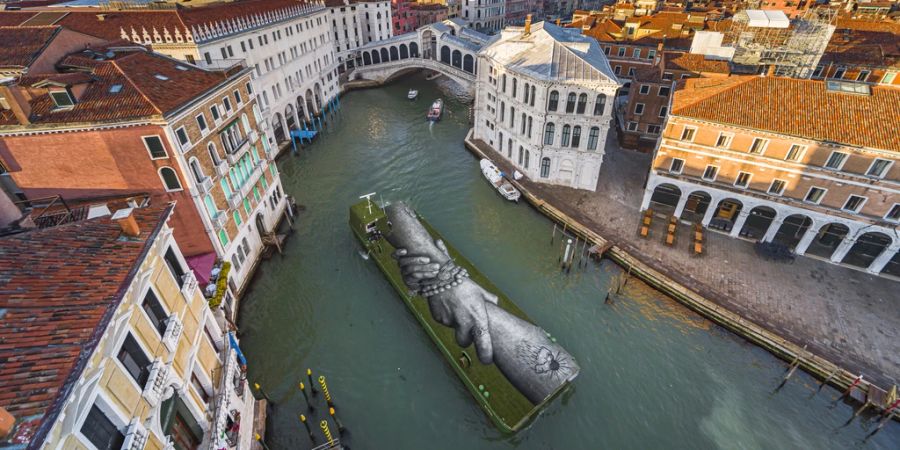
847	316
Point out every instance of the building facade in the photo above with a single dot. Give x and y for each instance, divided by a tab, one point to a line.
486	16
813	169
356	24
141	363
551	124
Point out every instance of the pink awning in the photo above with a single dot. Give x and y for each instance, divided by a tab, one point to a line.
202	265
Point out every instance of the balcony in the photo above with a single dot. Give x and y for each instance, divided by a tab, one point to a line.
205	186
235	200
251	181
220	220
235	156
222	168
253	136
135	436
172	333
156	382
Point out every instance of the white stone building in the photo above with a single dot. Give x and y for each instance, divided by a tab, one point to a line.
484	15
544	100
355	24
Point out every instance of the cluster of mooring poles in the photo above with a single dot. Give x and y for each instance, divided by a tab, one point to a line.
331	437
310	128
890	406
570	255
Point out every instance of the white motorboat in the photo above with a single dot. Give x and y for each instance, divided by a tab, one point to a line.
412	94
495	177
434	113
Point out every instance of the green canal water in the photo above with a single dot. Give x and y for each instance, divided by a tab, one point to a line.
653	374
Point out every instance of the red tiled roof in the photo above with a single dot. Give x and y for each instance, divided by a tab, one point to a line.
695	63
795	107
21	45
56	311
142	94
865	43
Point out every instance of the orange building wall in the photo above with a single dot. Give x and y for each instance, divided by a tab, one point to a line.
102	162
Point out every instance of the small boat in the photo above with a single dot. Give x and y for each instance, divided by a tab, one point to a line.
412	94
495	177
437	108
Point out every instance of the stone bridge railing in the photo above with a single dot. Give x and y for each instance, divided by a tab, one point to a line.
383	71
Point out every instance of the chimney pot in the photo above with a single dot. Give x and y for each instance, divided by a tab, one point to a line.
528	25
127	222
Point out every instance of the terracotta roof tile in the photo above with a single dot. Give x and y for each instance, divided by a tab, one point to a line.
795	107
21	45
695	63
55	312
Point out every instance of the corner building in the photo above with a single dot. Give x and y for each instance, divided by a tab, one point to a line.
811	165
544	100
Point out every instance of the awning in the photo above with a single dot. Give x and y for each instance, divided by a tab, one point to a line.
202	265
240	355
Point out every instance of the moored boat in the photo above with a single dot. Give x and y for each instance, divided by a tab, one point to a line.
434	113
495	177
412	94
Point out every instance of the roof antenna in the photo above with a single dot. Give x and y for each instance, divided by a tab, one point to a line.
368	198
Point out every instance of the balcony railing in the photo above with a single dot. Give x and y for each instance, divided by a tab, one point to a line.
234	156
220	220
205	185
254	136
135	436
188	284
172	333
156	382
234	200
222	168
251	181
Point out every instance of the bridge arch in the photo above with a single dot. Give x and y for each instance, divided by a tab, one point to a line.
384	55
395	55
445	54
367	59
404	52
414	49
456	59
468	63
376	59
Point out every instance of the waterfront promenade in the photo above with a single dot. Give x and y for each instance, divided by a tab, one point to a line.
841	314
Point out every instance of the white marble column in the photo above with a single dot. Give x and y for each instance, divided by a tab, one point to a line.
841	251
710	210
878	265
680	208
739	222
773	229
648	193
807	239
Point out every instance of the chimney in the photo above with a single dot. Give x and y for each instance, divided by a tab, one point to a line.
528	25
771	71
7	421
12	98
126	220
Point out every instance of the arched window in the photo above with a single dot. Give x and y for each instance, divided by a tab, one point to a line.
576	136
526	93
570	103
527	157
545	167
515	84
170	180
501	143
600	105
565	136
523	123
213	154
512	118
582	103
521	155
503	83
549	129
533	94
592	138
502	111
197	170
554	101
529	127
509	149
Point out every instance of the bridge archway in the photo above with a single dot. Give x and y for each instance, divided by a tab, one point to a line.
404	52
456	59
384	55
395	55
445	54
376	59
414	50
367	59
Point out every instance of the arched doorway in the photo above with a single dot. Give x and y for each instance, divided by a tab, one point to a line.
469	63
726	214
866	249
395	55
445	54
309	104
893	266
261	226
289	117
758	221
318	93
404	52
367	60
414	48
827	240
696	206
566	171
457	59
792	230
278	127
301	111
665	198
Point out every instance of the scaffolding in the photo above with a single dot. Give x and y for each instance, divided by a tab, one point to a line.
792	48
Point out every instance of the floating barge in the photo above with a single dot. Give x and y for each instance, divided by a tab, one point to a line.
505	405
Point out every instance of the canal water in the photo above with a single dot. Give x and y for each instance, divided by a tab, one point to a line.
653	374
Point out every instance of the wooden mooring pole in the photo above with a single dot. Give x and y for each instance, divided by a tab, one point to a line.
880	426
553	234
790	372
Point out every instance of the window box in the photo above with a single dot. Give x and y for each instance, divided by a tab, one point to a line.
222	168
220	220
254	136
135	436
189	283
234	201
205	185
174	328
233	157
